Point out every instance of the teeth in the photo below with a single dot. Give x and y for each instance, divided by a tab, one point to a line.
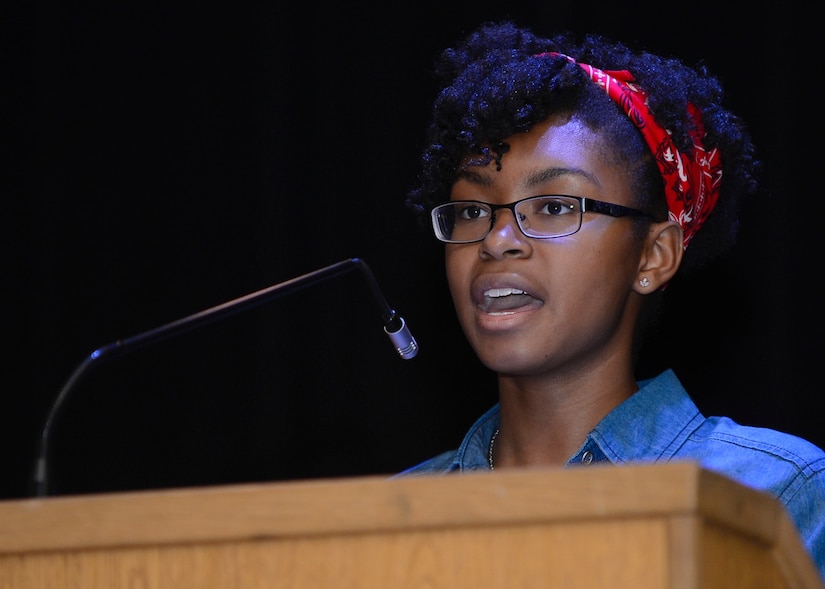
495	293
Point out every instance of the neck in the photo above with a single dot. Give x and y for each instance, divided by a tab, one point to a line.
542	423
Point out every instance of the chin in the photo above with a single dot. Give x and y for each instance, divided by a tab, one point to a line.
510	362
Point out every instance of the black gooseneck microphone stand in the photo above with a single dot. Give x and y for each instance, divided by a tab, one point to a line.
394	326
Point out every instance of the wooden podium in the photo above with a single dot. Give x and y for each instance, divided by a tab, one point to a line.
647	526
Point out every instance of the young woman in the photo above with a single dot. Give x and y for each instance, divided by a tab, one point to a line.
571	182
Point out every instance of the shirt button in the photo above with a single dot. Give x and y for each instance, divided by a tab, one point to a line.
587	457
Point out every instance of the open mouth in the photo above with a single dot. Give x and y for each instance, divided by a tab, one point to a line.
500	301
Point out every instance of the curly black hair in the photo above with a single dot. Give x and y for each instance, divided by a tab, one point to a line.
494	85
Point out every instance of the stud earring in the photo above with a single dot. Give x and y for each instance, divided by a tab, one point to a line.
644	282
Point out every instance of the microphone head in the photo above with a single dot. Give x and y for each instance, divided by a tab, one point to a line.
403	340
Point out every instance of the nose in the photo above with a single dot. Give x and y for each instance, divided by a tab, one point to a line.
505	237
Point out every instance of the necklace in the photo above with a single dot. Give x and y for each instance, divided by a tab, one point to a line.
490	449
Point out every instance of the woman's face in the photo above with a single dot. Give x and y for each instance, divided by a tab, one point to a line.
574	310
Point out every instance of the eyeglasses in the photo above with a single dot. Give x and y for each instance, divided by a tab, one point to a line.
540	217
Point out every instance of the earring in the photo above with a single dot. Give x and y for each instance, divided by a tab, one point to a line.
644	282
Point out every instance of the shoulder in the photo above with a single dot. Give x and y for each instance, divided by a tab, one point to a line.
779	462
720	441
766	441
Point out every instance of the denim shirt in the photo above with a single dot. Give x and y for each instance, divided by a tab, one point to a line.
660	423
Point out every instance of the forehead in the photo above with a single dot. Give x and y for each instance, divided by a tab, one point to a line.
558	151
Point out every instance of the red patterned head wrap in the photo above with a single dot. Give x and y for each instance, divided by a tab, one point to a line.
692	181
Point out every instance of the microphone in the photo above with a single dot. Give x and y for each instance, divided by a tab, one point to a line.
394	326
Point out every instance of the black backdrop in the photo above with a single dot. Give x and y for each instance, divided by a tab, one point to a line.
163	158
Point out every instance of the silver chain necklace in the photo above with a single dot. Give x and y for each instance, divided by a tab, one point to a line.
490	449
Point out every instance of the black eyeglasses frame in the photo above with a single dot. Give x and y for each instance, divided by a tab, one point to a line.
586	205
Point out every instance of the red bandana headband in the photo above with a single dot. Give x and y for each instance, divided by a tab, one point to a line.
691	181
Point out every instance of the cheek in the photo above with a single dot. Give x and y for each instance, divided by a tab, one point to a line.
613	248
613	272
457	262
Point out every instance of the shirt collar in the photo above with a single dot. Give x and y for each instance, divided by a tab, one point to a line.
651	425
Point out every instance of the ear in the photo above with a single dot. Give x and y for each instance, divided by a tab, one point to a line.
661	257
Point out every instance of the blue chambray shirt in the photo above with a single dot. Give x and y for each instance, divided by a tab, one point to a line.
660	423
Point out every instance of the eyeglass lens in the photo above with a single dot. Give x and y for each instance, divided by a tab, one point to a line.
540	216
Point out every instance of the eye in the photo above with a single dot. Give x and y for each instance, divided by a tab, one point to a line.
471	211
555	207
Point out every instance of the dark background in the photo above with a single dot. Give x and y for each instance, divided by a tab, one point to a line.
162	158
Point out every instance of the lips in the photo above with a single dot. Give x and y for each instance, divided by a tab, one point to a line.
503	299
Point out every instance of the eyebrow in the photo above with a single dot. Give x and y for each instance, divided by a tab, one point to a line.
548	174
534	179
